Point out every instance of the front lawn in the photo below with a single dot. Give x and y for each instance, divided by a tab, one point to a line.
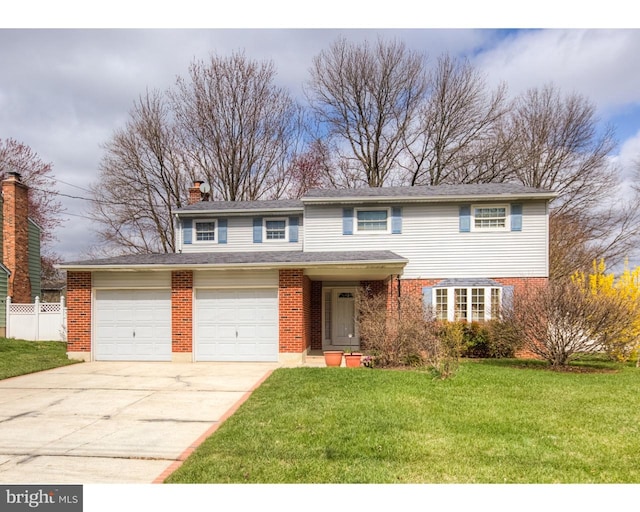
491	423
19	357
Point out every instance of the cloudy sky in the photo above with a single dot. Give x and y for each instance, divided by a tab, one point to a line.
63	91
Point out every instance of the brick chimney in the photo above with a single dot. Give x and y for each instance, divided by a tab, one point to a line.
195	195
15	232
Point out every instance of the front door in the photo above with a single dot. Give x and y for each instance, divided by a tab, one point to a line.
344	317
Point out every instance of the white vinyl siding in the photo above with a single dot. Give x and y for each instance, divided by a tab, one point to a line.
432	242
240	238
235	278
141	279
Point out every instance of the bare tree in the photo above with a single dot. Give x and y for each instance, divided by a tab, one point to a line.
367	96
45	207
311	169
456	136
555	145
241	131
561	320
143	177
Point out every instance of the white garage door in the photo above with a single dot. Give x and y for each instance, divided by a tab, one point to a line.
132	325
237	325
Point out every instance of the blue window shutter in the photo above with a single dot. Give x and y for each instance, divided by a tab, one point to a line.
257	230
187	233
222	231
516	217
507	297
293	229
396	220
347	221
465	218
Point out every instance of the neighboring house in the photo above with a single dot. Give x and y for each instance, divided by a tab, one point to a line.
53	290
272	280
20	240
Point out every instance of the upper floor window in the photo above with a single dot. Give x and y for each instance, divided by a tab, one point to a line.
490	218
275	229
372	220
205	230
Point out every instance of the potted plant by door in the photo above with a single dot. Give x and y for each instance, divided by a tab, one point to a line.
333	357
352	359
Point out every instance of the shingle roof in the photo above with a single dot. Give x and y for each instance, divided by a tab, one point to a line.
211	259
487	190
470	190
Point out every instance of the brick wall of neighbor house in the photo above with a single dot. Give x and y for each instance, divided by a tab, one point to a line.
294	310
79	311
15	247
182	311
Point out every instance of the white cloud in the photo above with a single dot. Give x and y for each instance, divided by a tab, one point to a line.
599	64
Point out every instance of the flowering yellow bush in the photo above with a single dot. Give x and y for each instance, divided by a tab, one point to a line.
624	344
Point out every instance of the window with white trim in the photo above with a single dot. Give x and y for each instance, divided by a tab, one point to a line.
205	230
442	303
372	220
467	304
490	217
275	230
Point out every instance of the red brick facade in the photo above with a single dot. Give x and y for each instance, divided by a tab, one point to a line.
181	311
294	311
79	311
300	303
15	232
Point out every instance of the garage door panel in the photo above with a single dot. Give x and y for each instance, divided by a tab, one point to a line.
237	325
133	325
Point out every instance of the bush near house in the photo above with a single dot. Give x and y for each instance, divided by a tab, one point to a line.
487	340
572	317
407	336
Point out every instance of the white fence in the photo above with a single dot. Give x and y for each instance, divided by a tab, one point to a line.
38	321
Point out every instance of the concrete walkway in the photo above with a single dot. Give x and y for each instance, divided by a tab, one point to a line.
114	422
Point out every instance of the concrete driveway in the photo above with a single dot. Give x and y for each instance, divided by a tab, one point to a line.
114	422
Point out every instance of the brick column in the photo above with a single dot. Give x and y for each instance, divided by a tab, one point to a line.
79	315
182	311
294	303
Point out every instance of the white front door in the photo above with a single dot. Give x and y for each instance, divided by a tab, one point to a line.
344	317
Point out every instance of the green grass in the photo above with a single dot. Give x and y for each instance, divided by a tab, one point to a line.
491	423
19	357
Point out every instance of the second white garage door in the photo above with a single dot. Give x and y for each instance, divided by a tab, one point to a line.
237	325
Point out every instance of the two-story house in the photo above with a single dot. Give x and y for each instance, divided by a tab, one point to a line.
272	280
